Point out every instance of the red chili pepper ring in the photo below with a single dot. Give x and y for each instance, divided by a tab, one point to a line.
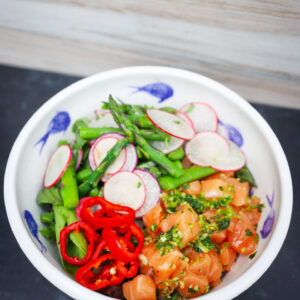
90	236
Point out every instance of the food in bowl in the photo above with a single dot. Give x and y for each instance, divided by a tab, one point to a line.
148	202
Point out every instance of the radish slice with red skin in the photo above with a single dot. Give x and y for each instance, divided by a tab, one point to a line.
186	118
79	159
171	124
166	148
100	149
91	158
131	161
125	188
203	116
103	119
57	165
206	148
232	161
131	158
152	191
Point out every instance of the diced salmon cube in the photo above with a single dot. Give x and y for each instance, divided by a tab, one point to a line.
164	266
215	273
142	287
193	285
227	257
154	216
240	192
214	188
220	175
186	220
194	188
201	264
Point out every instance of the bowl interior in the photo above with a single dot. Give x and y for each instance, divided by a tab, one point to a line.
134	86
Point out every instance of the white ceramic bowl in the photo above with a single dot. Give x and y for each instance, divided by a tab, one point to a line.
265	158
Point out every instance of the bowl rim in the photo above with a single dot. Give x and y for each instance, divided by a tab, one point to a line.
68	285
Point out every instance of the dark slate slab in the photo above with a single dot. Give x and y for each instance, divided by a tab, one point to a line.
22	92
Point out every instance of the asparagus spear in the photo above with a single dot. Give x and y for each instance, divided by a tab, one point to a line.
84	174
68	187
47	218
132	131
168	183
177	154
110	157
93	133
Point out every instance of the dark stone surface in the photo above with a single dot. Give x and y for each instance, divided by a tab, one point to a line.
22	92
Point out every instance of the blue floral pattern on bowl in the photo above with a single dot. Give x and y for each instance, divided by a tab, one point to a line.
269	221
160	90
59	123
33	228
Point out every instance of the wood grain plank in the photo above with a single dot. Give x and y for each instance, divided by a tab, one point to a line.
65	56
252	46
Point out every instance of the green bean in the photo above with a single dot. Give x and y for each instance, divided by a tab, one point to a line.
47	218
94	192
177	154
93	133
83	175
168	183
68	187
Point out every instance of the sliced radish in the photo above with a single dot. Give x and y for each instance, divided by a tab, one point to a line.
166	148
103	119
100	149
203	116
79	159
57	165
125	188
171	124
205	148
131	158
186	118
152	191
232	161
91	158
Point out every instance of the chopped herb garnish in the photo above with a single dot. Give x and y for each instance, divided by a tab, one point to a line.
203	243
248	232
190	108
256	239
223	224
221	188
192	289
167	241
139	184
153	227
186	186
252	255
177	122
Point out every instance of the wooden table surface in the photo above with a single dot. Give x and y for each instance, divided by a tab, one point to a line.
252	46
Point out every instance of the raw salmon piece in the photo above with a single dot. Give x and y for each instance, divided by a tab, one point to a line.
142	287
240	192
220	175
154	216
242	235
253	214
186	220
214	188
194	188
200	264
227	257
164	266
219	236
215	273
192	285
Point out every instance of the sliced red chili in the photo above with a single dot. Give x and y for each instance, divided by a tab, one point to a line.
107	276
101	246
118	245
128	270
109	215
90	236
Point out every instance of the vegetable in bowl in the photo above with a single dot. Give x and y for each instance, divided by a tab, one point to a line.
190	234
